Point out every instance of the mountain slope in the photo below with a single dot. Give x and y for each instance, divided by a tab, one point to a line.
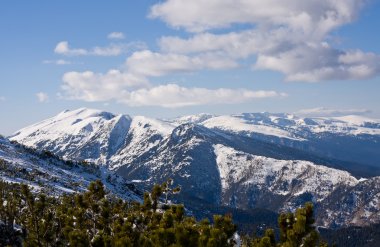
282	185
350	138
43	171
275	161
350	143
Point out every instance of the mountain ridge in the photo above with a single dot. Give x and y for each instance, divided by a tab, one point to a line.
189	150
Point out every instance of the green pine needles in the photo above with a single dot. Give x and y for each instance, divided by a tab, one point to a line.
96	218
296	229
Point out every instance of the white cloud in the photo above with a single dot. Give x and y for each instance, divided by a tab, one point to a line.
234	44
90	86
327	112
279	51
2	99
63	48
132	86
149	63
121	88
288	36
116	49
62	62
42	97
316	17
173	96
57	62
116	35
112	50
313	63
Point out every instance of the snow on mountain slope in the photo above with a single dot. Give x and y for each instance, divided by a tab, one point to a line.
292	127
357	120
285	125
349	125
353	139
118	140
185	156
144	135
80	134
268	173
74	122
198	118
105	138
239	125
95	136
358	205
45	172
249	180
250	160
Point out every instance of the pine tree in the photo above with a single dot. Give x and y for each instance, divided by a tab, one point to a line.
95	218
296	229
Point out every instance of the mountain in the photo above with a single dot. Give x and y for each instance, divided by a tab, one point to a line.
352	139
47	173
350	143
246	161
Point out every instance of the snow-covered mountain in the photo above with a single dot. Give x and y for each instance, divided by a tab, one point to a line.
353	139
276	161
279	185
110	139
95	136
45	172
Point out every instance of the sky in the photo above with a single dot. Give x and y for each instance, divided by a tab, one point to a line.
170	58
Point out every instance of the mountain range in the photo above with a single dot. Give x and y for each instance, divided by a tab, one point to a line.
242	162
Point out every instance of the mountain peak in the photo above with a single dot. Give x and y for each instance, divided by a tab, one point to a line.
197	118
95	129
256	156
85	113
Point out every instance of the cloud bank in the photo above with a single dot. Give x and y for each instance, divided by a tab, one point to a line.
63	48
292	37
132	86
168	95
316	17
288	36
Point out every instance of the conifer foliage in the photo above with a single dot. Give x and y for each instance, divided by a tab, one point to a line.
96	218
296	229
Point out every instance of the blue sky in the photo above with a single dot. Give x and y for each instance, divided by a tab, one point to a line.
169	58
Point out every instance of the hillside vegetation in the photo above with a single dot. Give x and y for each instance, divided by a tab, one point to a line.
95	218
